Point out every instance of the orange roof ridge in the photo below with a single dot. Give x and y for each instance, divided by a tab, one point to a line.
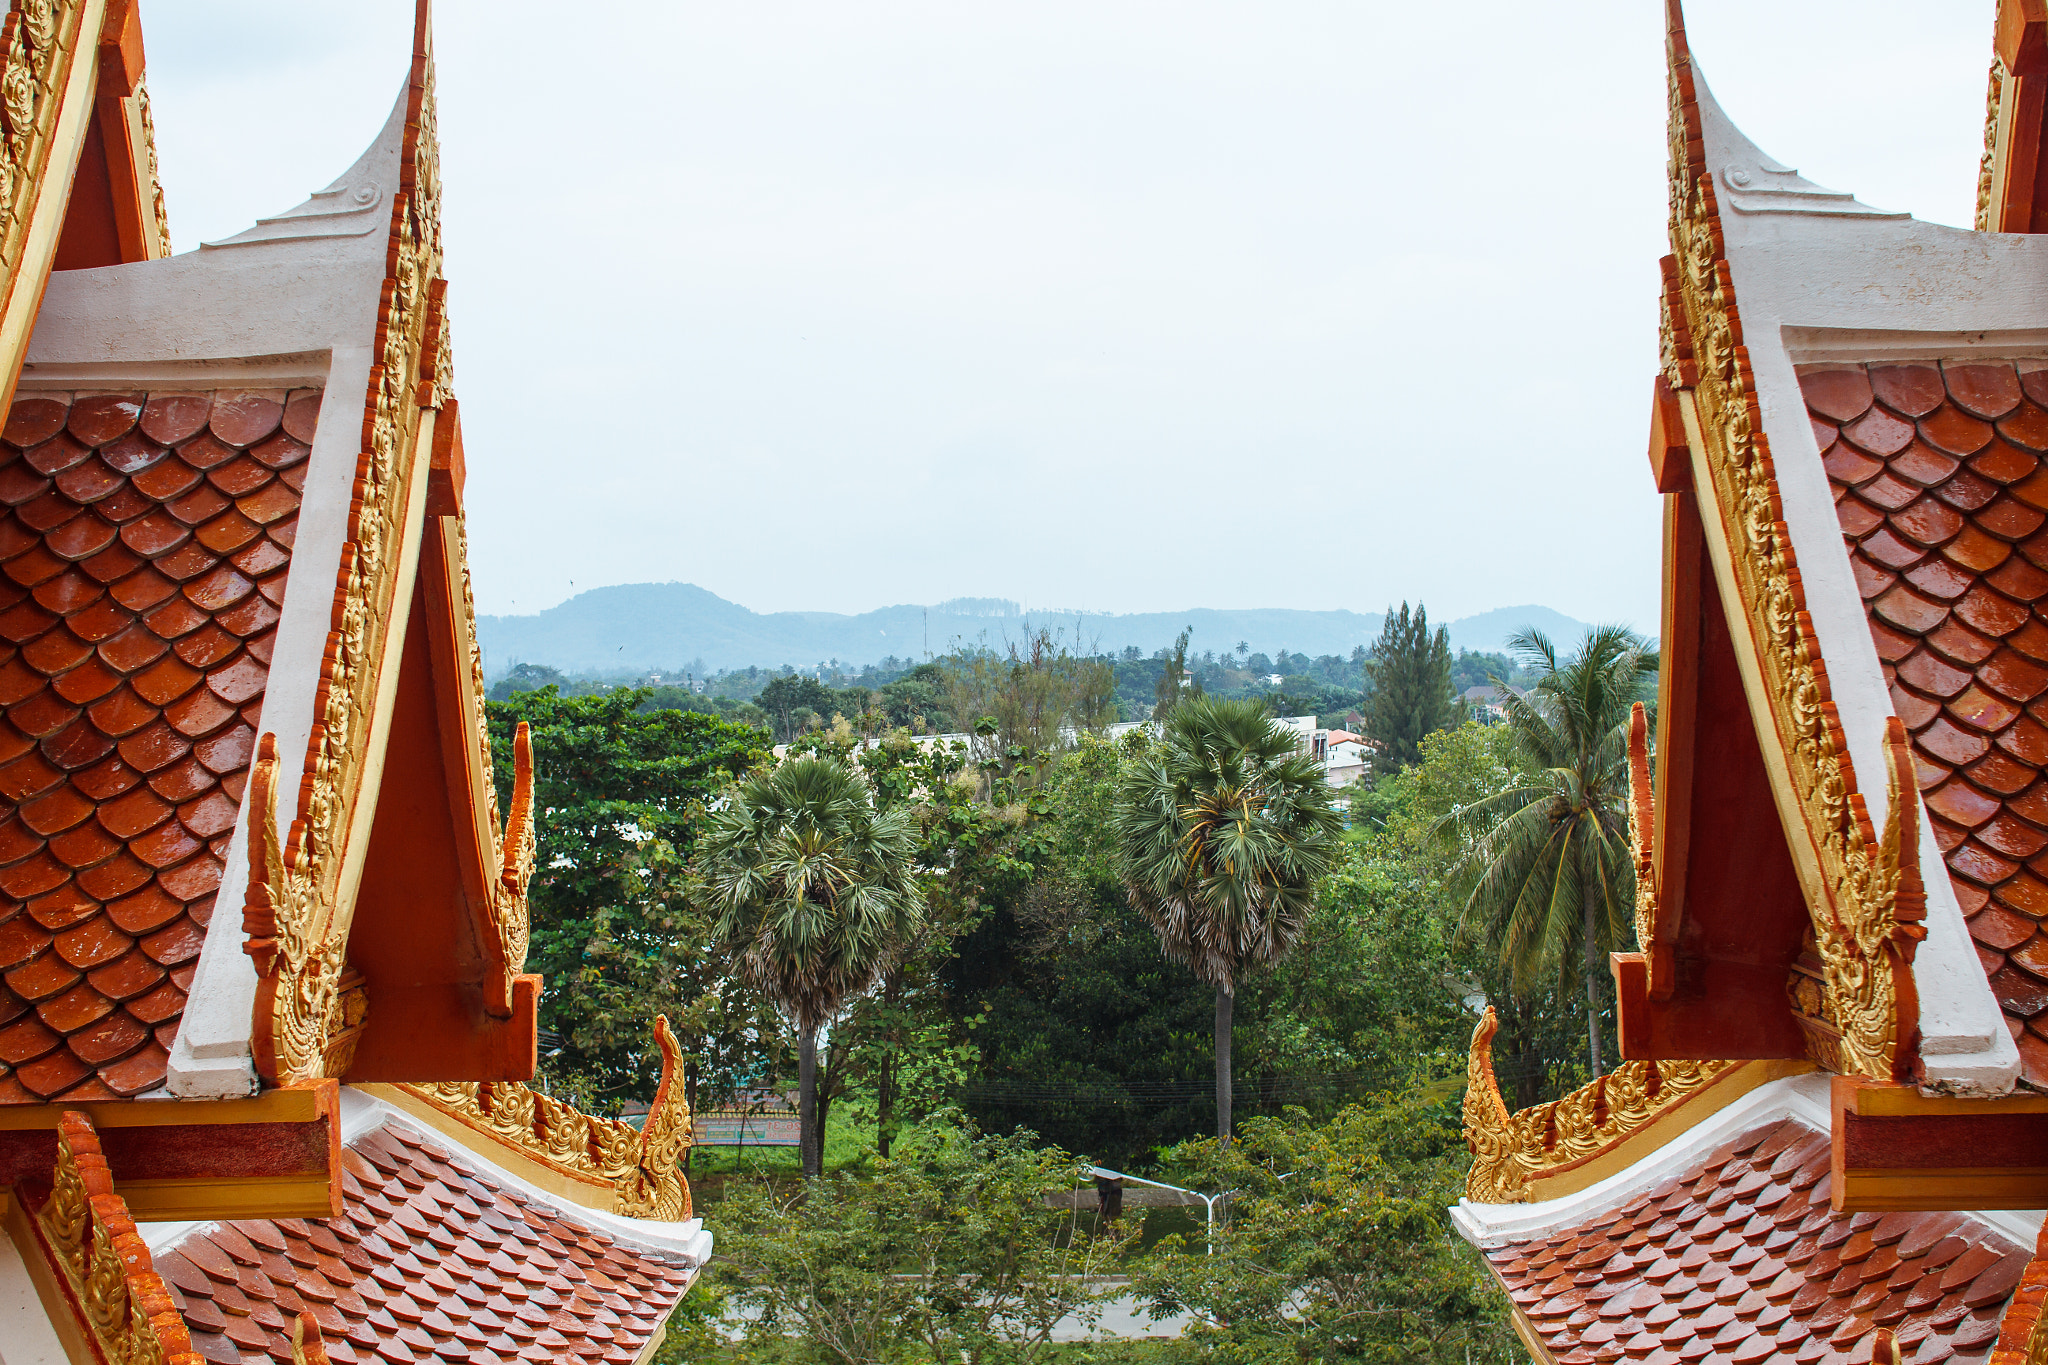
101	1264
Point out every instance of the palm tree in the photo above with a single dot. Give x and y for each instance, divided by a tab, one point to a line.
1552	872
1224	832
815	889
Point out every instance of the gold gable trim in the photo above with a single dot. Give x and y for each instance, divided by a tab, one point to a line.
1863	893
49	54
94	1258
606	1164
1557	1148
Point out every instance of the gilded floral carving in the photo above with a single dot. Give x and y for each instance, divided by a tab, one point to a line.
640	1165
91	1241
1994	92
161	222
1642	826
38	41
515	873
1865	920
1511	1149
459	530
297	929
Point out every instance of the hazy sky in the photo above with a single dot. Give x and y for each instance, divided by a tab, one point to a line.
1120	306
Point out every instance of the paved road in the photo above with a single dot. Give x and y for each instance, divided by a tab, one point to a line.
1123	1319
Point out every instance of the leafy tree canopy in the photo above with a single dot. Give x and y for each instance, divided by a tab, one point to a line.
1338	1245
1409	684
615	788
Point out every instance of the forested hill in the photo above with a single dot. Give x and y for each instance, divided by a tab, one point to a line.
671	626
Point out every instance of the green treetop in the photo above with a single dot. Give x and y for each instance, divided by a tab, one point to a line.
1410	695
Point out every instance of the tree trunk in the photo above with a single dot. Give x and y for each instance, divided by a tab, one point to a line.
1224	1000
807	1103
885	1106
1592	993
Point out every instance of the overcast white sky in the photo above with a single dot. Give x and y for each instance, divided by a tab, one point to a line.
1121	306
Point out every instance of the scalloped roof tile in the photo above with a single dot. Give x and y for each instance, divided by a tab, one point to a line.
430	1261
131	680
1946	534
1742	1259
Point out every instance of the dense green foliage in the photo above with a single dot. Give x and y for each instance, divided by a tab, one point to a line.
1551	871
615	788
945	1250
1033	994
922	698
1338	1245
1410	695
1225	827
812	884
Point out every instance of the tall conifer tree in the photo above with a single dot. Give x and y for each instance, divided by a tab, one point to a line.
1409	670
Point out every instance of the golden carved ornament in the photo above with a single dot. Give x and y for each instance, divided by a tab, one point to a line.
1866	919
303	1001
639	1164
1642	826
2023	1334
121	1301
308	1346
39	39
156	187
321	1017
518	847
1994	92
459	547
1511	1149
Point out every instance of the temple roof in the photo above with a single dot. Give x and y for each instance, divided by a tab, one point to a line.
1739	1258
436	1257
1772	675
145	540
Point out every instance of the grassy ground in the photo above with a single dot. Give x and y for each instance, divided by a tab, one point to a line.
848	1146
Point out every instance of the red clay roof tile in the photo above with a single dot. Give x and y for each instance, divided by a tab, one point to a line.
139	463
1936	657
372	1277
168	418
1986	391
1753	1284
1840	395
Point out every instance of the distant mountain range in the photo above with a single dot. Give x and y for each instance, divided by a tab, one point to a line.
669	627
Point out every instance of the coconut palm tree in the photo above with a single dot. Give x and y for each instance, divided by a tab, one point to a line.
815	889
1551	871
1224	830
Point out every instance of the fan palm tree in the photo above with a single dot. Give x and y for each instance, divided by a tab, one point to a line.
1224	832
1549	860
815	890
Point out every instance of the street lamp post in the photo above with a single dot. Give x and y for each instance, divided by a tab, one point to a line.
1208	1200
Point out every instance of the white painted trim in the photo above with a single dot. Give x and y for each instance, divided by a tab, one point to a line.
26	1336
1797	1097
1813	287
2025	346
306	369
